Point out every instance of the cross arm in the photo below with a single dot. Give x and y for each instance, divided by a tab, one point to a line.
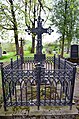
49	30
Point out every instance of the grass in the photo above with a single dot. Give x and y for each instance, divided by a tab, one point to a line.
27	53
66	55
7	57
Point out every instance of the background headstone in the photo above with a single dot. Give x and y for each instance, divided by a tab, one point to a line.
74	51
4	52
0	50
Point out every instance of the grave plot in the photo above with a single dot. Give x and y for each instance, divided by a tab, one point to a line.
29	84
38	81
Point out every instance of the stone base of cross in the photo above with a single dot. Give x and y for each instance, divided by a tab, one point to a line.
39	30
39	57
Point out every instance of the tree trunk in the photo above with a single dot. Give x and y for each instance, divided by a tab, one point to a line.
62	46
33	35
63	35
70	32
68	47
33	43
15	26
16	41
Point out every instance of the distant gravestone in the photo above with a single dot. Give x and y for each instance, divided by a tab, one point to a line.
74	51
0	50
4	52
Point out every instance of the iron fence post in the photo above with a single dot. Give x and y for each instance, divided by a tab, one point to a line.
72	84
12	75
65	63
17	63
3	87
58	61
21	61
54	60
11	63
38	76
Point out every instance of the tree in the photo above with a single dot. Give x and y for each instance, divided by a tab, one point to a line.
13	13
59	19
64	18
71	23
14	25
8	19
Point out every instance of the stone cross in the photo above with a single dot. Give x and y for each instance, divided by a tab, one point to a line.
21	48
39	30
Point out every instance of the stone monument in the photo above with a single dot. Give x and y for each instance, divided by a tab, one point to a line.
74	54
0	50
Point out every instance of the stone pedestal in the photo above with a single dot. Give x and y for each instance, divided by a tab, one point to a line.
44	113
39	57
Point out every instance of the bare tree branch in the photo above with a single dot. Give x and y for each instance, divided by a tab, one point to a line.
41	5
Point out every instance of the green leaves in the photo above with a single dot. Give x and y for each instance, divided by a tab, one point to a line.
65	18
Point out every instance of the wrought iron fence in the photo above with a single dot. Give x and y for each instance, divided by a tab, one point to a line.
32	84
17	64
60	63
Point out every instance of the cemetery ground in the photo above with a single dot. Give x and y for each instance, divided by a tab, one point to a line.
15	110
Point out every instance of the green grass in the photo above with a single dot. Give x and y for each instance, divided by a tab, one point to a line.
28	54
7	57
66	55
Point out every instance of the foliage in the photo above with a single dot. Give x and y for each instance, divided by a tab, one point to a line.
11	20
65	18
14	15
7	57
29	49
8	47
50	47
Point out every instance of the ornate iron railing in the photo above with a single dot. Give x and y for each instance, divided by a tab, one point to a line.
60	63
30	84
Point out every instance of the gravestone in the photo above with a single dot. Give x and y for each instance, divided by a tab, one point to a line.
74	54
4	52
0	50
21	53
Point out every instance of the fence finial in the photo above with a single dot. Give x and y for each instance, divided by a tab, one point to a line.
11	63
